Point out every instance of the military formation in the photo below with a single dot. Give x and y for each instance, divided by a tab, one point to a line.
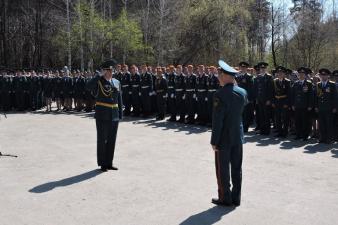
300	103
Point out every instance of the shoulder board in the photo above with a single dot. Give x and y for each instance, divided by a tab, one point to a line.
309	81
331	82
287	79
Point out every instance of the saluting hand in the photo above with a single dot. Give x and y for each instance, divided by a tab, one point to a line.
214	148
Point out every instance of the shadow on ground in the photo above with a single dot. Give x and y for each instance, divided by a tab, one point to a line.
310	146
178	127
65	182
208	217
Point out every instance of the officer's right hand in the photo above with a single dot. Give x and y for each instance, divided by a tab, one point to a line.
309	109
293	108
268	103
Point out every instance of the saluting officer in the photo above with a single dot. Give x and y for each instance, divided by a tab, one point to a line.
302	101
227	136
281	101
326	106
245	81
108	112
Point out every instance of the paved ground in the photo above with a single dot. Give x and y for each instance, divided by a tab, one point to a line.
166	176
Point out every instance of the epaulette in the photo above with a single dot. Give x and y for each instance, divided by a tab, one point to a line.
287	79
309	81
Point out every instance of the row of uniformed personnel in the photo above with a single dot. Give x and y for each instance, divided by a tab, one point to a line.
305	102
32	91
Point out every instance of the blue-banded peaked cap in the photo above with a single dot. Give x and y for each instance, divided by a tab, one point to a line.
226	68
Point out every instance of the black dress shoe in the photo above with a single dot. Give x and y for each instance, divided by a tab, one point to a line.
103	169
172	119
221	203
236	203
305	138
112	168
181	120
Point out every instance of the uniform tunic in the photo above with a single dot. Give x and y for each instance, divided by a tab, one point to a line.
227	136
108	112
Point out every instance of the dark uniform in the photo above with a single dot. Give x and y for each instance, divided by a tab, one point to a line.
79	91
161	89
281	103
20	90
146	92
302	101
213	85
245	81
335	124
326	105
263	93
227	136
202	98
180	96
108	112
136	94
190	98
126	92
171	78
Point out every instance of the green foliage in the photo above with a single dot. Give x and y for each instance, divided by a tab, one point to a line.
96	34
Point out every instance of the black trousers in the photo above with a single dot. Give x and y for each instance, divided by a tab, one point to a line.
326	124
190	104
225	159
161	101
282	119
172	110
248	116
180	104
303	122
202	106
146	101
106	138
264	117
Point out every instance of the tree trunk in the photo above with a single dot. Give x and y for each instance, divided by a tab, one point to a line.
81	38
69	47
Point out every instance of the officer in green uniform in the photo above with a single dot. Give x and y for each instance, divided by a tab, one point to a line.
227	136
281	101
108	112
326	106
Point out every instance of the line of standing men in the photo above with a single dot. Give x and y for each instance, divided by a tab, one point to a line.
21	91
